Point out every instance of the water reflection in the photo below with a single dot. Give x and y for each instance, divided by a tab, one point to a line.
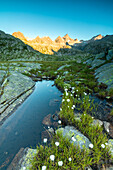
23	128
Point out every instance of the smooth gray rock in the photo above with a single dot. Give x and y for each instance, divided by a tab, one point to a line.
97	122
105	74
110	55
97	62
17	84
100	56
17	88
71	132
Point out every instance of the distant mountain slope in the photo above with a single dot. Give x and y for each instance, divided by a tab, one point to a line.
13	48
97	46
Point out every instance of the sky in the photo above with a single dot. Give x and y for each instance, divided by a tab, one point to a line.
80	19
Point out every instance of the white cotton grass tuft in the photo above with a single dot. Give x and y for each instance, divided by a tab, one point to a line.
24	168
73	139
102	145
68	100
60	163
57	143
107	130
70	159
59	122
85	93
45	140
90	145
43	167
52	157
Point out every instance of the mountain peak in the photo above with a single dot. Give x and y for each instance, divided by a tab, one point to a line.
59	39
98	37
19	35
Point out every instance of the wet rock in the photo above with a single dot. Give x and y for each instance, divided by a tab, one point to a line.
55	124
24	162
47	120
16	159
74	136
46	134
55	117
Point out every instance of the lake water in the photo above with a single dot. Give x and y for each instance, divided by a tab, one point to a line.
23	128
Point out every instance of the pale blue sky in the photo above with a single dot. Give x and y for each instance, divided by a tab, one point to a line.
80	19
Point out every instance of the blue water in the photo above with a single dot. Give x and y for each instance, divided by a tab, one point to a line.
23	128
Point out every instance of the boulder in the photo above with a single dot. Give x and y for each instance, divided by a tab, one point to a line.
105	74
74	136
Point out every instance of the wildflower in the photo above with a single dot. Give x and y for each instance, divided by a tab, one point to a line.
73	139
77	90
73	91
85	93
102	145
48	127
66	90
92	117
106	143
68	100
68	106
76	95
24	168
60	163
71	95
73	88
57	143
60	109
43	167
73	106
63	100
70	159
59	122
66	94
107	130
45	140
91	145
52	157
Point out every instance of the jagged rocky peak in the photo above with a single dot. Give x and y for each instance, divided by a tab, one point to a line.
47	39
97	37
67	38
59	39
19	35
